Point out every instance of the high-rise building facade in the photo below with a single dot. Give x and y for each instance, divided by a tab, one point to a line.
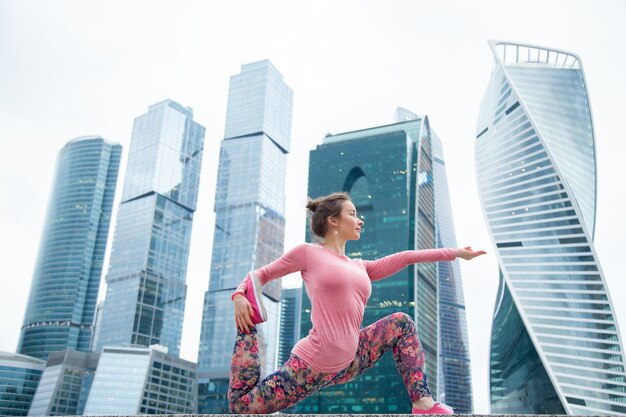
289	332
290	309
19	377
135	380
249	224
65	384
556	346
64	290
388	171
455	377
146	289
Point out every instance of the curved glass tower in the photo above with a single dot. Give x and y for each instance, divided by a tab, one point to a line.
62	302
556	346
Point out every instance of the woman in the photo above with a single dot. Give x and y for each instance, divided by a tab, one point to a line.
336	349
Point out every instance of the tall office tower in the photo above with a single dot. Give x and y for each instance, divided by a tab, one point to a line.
290	309
249	223
19	377
556	345
146	288
388	171
455	377
65	384
62	302
131	380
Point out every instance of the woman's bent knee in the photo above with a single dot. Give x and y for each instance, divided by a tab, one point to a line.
402	317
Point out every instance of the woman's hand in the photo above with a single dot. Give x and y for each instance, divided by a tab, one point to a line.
243	313
468	253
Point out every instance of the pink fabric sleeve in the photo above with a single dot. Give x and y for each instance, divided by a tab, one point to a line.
389	265
292	261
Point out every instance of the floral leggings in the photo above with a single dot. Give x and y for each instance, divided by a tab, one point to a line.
296	379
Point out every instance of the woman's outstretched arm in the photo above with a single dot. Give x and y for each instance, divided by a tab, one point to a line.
389	265
292	261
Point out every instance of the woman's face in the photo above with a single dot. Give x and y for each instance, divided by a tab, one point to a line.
348	225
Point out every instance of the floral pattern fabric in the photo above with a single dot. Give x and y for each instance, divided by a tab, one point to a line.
296	379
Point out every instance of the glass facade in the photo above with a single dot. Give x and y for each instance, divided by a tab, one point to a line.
19	376
455	378
526	384
64	290
146	287
290	316
249	223
142	381
290	310
118	385
388	172
535	159
65	384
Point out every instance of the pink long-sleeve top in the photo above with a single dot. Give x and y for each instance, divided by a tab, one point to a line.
338	288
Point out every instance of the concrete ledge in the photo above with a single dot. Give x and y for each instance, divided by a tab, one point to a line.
353	415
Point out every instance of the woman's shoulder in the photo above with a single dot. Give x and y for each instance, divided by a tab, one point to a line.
307	245
312	245
304	247
310	248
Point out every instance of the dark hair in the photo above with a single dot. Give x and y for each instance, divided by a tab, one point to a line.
324	207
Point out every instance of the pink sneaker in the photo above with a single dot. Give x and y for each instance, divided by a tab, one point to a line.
255	297
438	408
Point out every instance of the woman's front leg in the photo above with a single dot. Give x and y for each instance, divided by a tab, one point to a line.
397	333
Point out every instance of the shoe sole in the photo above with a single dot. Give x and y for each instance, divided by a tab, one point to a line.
258	295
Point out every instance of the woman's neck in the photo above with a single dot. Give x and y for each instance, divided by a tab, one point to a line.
335	244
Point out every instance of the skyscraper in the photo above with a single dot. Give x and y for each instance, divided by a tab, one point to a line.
146	288
249	224
556	346
64	290
388	171
455	377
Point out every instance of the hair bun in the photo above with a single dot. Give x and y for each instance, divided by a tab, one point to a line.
312	205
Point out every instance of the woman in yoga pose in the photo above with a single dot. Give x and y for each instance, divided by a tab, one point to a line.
336	349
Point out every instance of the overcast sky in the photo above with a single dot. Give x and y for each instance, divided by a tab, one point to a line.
74	68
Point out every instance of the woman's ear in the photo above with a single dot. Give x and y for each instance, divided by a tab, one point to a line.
332	221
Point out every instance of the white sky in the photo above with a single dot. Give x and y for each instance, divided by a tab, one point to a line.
73	68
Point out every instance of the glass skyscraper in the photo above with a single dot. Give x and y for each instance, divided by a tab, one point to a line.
64	290
249	223
455	377
146	289
556	346
389	173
